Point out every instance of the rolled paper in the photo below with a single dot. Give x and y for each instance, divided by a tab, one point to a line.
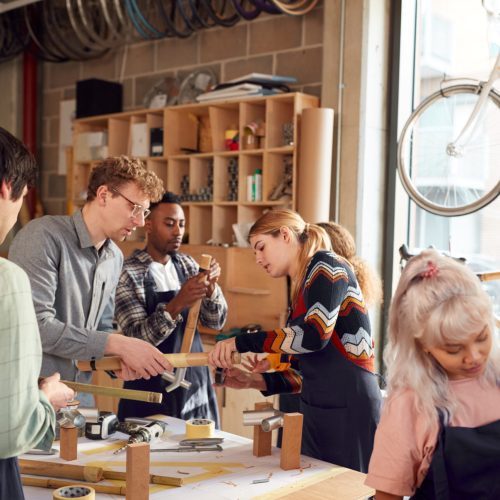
315	169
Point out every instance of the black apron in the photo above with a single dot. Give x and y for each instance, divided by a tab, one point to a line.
197	402
10	480
341	404
465	465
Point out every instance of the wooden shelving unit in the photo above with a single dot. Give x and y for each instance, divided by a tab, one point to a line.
183	127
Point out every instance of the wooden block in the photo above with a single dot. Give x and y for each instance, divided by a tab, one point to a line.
292	441
137	473
68	443
261	440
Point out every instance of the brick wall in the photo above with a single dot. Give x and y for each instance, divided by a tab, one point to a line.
281	44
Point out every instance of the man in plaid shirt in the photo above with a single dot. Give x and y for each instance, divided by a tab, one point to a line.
157	287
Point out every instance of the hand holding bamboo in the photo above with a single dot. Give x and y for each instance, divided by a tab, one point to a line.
177	360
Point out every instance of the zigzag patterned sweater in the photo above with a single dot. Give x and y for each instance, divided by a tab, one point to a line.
329	309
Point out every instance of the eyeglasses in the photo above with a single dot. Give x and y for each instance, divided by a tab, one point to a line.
137	209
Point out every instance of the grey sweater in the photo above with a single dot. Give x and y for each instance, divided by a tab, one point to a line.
73	289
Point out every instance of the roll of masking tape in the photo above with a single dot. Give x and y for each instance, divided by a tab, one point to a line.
197	428
80	492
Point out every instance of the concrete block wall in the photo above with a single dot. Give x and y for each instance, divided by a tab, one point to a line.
283	45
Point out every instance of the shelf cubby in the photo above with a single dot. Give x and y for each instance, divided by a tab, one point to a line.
200	223
160	168
249	163
223	117
224	216
278	112
178	176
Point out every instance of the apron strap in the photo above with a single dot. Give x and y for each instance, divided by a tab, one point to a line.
439	474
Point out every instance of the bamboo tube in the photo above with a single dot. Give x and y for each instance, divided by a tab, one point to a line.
177	360
44	482
116	392
194	311
489	276
153	478
69	471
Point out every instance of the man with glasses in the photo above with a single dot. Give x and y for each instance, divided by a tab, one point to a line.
157	287
74	266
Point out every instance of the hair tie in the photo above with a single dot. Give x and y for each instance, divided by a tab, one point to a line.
431	270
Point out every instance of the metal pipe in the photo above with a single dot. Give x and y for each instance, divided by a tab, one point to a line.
271	423
255	417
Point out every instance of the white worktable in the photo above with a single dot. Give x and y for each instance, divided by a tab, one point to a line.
217	475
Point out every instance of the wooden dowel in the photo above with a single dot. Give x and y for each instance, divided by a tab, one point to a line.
116	392
194	311
69	471
153	478
177	360
42	482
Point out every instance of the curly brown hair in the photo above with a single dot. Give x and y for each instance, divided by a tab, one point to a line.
343	244
116	171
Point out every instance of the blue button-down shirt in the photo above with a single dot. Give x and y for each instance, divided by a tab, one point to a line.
73	289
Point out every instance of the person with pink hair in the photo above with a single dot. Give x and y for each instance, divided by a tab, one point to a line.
439	434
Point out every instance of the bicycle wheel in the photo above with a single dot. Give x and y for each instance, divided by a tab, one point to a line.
445	184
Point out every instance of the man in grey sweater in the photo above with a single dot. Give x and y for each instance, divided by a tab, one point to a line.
73	265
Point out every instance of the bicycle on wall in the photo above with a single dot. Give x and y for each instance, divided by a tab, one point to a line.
449	150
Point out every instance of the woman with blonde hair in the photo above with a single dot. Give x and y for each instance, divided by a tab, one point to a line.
439	436
328	334
343	244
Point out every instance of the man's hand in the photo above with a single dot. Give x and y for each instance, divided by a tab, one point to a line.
213	277
57	393
191	291
220	355
239	379
139	358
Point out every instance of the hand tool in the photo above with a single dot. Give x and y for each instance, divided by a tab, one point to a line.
199	449
143	433
189	331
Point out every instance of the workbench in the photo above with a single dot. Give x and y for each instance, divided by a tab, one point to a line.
217	475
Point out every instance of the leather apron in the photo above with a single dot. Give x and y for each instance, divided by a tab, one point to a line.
197	402
465	465
341	404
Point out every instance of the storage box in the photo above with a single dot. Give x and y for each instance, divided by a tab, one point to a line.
98	97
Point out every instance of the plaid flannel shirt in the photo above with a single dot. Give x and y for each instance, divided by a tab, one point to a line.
130	306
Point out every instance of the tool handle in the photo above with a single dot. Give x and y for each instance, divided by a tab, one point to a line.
116	392
177	360
194	311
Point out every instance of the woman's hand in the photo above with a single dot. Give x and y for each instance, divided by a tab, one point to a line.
256	365
220	355
239	379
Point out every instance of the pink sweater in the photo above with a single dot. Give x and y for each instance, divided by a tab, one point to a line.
403	448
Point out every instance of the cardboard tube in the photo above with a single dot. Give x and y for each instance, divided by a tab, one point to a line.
315	164
177	360
43	482
116	392
69	471
153	478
